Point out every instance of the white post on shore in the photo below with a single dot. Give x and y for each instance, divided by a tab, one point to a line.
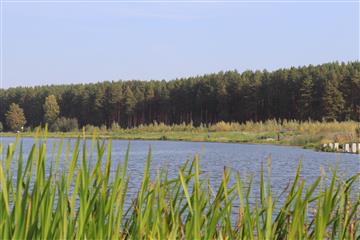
347	147
353	148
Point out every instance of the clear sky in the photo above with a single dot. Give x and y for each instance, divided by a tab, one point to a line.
58	43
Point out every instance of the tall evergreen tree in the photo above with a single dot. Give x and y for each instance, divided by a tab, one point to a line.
333	101
129	104
306	99
222	99
351	92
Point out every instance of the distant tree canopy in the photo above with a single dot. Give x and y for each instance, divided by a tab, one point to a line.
325	92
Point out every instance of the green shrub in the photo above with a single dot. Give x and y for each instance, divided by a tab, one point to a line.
64	124
1	126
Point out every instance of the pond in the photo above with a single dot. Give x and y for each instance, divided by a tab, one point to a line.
245	158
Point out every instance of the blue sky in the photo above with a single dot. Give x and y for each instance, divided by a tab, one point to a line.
58	43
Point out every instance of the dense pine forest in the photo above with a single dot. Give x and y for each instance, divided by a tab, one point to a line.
325	92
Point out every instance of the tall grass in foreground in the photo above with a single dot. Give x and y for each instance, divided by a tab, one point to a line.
86	201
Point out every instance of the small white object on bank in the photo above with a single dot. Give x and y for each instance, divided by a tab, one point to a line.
353	148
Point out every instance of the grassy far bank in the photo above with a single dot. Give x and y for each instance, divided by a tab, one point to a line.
305	134
87	201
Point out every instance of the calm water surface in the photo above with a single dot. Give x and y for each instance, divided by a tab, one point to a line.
245	158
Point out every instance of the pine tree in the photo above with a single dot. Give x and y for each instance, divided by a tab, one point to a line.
306	98
351	92
129	104
333	101
222	102
149	97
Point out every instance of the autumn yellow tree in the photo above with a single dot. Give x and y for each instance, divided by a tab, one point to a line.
15	118
51	109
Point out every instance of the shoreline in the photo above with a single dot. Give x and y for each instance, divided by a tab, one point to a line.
222	137
235	137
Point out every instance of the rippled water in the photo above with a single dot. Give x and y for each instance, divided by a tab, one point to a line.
245	158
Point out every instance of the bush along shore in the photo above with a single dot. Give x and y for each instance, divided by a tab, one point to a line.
86	201
309	134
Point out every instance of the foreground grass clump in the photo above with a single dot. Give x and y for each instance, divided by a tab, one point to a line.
86	201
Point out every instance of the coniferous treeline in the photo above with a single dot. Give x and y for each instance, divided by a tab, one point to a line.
324	92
